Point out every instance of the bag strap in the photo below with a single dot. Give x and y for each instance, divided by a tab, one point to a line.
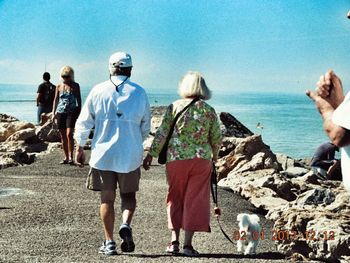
214	193
172	127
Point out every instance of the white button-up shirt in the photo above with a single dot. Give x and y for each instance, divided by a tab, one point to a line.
121	120
341	117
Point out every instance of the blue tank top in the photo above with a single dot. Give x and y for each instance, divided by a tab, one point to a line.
67	102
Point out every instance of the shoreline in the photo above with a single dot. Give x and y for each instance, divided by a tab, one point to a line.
251	109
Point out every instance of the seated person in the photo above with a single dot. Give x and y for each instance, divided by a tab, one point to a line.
325	163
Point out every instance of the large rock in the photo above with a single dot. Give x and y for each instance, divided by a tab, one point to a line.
7	118
321	219
288	162
19	142
295	171
285	161
318	196
9	128
48	133
22	135
6	161
284	188
14	156
247	154
233	127
254	186
300	202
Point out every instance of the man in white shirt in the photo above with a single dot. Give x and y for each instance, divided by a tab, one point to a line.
334	108
119	111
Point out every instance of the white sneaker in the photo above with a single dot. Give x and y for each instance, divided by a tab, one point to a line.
108	248
125	232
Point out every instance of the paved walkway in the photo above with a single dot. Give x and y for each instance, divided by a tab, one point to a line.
52	218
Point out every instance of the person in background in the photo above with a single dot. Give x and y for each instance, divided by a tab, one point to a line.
45	96
195	142
66	109
120	112
325	163
334	108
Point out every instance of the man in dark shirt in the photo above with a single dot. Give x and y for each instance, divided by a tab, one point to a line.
45	96
324	161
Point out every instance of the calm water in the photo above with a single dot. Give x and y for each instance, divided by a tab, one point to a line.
291	122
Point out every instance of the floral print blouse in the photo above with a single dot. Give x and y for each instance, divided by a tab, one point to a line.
196	134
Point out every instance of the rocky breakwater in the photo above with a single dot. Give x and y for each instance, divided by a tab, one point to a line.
311	215
21	142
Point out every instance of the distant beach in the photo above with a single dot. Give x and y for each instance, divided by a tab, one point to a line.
289	123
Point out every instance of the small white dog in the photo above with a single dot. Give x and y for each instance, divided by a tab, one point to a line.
249	229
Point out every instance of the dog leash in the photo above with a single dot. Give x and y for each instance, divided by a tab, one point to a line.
214	192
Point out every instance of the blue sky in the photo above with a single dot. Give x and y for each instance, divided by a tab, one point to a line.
273	45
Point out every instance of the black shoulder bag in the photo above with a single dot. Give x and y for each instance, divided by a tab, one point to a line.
163	153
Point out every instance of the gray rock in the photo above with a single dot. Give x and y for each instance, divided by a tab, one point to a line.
22	135
233	127
9	128
47	132
295	172
247	154
297	199
285	161
322	227
319	196
7	118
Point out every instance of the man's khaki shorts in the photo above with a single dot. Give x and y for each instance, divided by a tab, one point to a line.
99	180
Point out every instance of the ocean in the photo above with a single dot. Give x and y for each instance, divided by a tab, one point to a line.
291	124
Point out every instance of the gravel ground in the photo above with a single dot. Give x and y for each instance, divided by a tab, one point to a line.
51	217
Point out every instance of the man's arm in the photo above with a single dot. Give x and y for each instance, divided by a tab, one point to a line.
83	126
85	121
38	97
338	135
327	97
39	94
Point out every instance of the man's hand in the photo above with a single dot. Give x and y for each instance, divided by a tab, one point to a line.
80	157
328	94
330	88
323	106
147	162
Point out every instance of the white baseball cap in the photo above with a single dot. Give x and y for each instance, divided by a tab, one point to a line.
121	60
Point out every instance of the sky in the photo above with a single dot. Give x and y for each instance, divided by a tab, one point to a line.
237	45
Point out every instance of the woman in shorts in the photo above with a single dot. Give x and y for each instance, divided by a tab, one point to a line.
66	109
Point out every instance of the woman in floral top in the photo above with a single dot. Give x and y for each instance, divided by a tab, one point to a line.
195	142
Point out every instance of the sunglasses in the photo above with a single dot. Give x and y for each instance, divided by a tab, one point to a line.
66	76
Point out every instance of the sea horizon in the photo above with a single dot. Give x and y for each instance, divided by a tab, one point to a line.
288	122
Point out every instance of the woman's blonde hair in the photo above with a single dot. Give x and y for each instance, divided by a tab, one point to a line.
67	71
193	85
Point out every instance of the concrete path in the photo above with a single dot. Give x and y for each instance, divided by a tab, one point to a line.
47	215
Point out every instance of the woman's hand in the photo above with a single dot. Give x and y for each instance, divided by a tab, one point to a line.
52	116
217	211
147	162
